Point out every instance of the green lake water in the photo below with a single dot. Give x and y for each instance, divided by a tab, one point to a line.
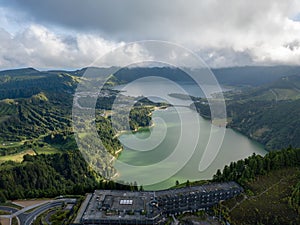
150	146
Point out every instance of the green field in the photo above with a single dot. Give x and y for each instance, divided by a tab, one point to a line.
16	157
47	150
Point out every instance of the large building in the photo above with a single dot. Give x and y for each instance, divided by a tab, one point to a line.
151	207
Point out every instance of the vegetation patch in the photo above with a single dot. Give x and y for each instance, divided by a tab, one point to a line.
268	203
18	157
271	186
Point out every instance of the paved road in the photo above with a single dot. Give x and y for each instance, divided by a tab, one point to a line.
48	216
27	218
8	209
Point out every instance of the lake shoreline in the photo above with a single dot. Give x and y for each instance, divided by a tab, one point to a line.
140	128
119	133
235	146
229	152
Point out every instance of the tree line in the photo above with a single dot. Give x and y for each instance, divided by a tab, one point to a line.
247	169
50	176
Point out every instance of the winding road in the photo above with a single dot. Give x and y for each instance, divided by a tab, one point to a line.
27	218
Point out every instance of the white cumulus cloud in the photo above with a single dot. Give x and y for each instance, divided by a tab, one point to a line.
39	47
73	33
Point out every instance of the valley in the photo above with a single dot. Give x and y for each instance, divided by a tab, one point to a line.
39	155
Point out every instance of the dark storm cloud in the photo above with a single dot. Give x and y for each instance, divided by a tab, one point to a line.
119	18
224	33
135	19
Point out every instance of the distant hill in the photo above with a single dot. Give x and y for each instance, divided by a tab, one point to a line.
24	83
254	75
236	76
268	113
20	72
266	110
284	88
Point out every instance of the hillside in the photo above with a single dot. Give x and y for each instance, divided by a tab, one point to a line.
35	119
284	88
36	107
274	188
24	83
276	125
35	103
271	186
268	113
49	176
251	76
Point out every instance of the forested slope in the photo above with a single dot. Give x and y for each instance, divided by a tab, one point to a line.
268	114
271	186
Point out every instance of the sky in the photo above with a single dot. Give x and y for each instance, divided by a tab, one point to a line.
74	33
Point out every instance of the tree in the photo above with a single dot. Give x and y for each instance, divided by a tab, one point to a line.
218	175
2	197
188	183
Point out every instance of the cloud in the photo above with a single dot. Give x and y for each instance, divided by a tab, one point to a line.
37	46
224	33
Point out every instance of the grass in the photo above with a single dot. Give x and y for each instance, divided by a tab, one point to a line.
4	118
286	94
278	94
2	212
46	149
41	219
18	157
12	205
14	221
7	107
266	200
192	183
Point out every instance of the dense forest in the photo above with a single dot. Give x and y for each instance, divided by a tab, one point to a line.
35	119
294	200
276	125
274	177
268	114
246	169
24	83
50	176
